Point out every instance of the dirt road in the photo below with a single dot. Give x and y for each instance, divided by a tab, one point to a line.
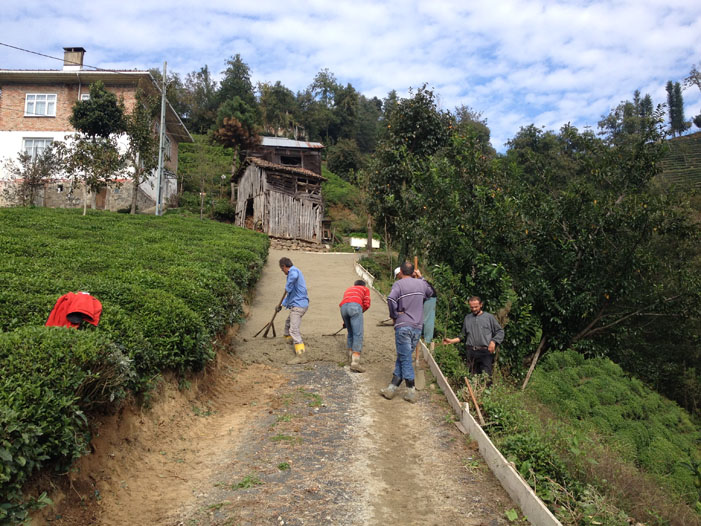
263	442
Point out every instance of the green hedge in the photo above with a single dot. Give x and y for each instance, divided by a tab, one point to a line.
167	286
50	376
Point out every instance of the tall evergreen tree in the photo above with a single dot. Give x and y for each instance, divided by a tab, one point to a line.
675	103
237	82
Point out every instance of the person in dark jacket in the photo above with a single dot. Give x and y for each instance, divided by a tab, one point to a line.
481	333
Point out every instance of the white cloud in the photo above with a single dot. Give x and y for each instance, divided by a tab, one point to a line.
517	61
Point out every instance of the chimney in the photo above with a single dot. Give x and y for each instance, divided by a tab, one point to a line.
73	58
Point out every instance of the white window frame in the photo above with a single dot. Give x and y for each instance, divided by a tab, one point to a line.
34	146
85	96
40	105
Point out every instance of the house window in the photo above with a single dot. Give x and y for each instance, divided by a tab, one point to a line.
35	146
85	96
40	105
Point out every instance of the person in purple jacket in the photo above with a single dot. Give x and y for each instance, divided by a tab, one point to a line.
406	308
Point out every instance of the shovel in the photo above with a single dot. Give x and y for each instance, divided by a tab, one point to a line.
419	374
270	324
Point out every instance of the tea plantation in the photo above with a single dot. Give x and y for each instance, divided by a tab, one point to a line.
167	286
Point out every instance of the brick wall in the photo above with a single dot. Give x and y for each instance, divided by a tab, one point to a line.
12	105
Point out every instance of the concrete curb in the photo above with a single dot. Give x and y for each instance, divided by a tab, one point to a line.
518	489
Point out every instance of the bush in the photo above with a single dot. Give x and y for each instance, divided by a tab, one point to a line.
51	375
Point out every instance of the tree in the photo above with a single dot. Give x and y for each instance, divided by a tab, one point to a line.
629	120
675	104
92	156
469	121
200	101
30	174
236	126
368	123
101	115
142	142
278	108
176	92
416	130
237	82
344	158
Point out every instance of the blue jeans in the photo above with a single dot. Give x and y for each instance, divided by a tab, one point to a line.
405	339
352	314
429	319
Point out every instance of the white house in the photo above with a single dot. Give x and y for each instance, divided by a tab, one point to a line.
35	107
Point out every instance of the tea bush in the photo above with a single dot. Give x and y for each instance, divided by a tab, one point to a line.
167	286
50	377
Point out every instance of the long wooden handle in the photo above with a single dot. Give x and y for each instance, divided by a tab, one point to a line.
474	401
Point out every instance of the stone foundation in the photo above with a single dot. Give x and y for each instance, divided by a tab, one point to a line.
279	243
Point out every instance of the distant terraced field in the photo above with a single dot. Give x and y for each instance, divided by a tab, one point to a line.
683	163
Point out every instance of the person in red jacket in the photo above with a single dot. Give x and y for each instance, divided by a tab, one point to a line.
356	300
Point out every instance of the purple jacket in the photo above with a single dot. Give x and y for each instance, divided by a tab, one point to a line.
406	302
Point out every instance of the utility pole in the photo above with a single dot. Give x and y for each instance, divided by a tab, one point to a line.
162	133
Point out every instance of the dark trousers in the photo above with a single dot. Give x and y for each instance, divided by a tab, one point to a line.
480	361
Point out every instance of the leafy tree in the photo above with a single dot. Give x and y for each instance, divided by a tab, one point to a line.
469	121
176	92
92	156
368	123
142	142
200	101
416	130
278	108
694	79
630	119
30	174
317	105
344	158
102	115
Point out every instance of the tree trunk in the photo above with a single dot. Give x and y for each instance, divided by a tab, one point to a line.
535	359
369	247
134	195
85	199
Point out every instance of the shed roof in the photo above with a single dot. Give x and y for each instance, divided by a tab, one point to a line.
282	142
279	168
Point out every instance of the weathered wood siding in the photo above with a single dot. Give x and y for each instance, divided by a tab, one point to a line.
282	207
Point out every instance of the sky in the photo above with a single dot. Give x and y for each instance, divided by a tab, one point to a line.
517	62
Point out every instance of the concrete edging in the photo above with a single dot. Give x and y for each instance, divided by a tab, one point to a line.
518	489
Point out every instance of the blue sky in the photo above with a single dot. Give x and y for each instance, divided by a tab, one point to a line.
516	61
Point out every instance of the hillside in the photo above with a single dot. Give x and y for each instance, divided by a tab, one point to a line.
683	163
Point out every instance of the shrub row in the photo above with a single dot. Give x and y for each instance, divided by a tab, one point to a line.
167	286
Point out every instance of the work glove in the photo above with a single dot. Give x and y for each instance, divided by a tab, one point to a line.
278	308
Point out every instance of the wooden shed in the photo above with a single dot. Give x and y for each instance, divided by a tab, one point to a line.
282	201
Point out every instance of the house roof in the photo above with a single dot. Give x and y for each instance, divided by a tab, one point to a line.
279	168
142	79
282	142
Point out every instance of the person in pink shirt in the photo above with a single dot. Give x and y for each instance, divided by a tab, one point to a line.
356	300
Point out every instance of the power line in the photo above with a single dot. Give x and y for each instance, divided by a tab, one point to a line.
54	58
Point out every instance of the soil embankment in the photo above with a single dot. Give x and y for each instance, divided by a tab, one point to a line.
259	441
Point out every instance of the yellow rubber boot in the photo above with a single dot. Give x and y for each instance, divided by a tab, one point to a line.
299	348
